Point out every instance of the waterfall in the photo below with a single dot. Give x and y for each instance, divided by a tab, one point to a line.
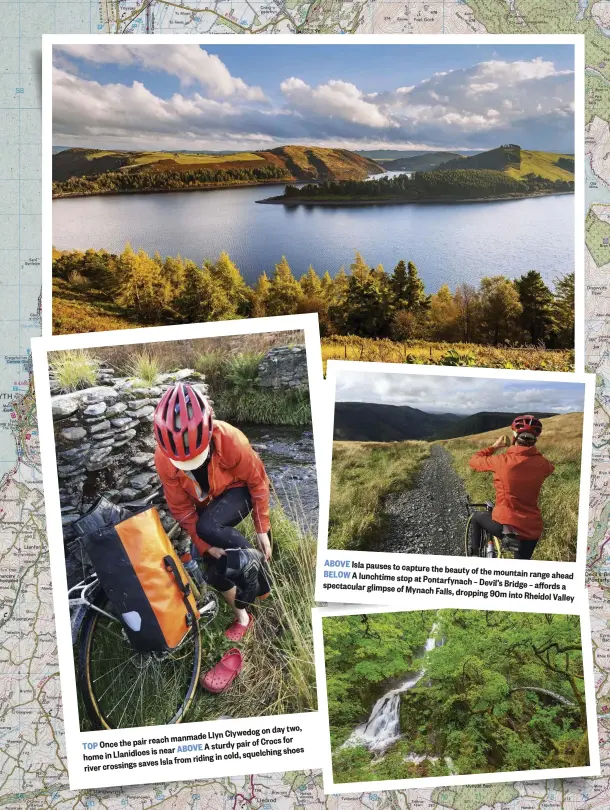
382	729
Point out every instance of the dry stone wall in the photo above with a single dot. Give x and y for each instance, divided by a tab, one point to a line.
104	443
284	367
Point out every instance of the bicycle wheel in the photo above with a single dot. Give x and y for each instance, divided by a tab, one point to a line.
467	546
123	688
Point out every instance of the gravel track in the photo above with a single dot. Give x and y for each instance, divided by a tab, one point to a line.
431	517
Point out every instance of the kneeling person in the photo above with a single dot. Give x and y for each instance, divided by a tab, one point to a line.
212	479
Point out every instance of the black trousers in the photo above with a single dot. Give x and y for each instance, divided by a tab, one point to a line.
216	526
484	521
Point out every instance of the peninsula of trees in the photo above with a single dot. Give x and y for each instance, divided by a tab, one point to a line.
367	301
441	185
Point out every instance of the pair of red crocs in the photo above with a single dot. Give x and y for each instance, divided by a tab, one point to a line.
221	676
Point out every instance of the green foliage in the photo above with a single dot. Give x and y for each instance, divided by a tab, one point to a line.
440	184
74	369
479	708
366	301
115	182
241	371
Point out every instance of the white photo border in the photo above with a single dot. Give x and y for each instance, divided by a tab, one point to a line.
330	787
577	40
503	566
75	738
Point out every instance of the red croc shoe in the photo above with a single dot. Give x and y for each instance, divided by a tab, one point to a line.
237	631
221	676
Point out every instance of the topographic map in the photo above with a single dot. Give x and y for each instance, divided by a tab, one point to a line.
32	762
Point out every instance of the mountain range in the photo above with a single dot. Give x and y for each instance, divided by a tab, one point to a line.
373	422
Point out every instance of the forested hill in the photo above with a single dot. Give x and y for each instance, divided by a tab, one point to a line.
518	163
374	422
94	171
441	185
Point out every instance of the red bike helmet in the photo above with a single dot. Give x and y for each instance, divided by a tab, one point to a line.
183	424
527	424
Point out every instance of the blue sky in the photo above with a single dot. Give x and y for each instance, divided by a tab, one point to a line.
460	395
259	96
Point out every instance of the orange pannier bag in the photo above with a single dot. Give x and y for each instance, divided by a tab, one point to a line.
144	579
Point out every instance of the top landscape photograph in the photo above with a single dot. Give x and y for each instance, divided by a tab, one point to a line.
419	198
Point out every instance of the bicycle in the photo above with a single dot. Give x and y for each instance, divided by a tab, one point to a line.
119	686
505	546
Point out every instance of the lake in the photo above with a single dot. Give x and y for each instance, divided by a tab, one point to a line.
449	244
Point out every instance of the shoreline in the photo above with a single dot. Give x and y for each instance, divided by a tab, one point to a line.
205	187
293	202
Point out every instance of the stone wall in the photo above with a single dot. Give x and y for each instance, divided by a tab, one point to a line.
105	445
284	367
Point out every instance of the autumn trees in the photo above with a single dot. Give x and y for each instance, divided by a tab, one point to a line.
364	300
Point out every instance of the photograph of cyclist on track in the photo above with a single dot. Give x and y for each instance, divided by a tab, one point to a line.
410	447
188	494
518	476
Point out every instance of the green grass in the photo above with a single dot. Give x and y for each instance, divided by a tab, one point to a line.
74	369
561	443
279	673
262	406
541	163
362	474
191	159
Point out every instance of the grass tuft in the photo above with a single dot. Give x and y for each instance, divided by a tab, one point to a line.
74	369
145	368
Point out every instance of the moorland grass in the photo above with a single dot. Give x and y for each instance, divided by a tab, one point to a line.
561	443
362	474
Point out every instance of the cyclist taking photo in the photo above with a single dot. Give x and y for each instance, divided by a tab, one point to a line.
518	475
212	479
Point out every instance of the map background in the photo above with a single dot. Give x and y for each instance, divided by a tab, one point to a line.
33	773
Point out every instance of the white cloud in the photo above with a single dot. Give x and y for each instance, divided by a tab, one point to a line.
529	103
464	396
334	99
190	63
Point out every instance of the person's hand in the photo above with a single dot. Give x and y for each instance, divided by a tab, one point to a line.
264	545
502	441
216	552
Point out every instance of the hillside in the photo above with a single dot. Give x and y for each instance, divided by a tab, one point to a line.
480	424
518	163
420	163
561	443
98	171
372	422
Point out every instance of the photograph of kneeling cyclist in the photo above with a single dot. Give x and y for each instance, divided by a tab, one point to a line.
212	479
518	477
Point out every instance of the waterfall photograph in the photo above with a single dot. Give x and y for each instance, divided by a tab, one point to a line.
439	693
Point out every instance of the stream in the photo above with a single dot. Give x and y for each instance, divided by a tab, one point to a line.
288	455
382	729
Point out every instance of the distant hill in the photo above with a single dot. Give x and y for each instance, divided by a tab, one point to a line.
421	163
518	163
480	423
291	162
397	154
372	422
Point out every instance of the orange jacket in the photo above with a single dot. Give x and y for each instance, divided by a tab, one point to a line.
518	477
233	463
